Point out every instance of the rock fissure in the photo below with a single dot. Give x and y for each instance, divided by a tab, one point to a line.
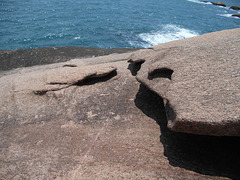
43	92
70	65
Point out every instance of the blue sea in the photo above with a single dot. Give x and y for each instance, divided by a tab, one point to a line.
26	24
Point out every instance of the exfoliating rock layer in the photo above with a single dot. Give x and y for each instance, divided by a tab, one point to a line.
167	112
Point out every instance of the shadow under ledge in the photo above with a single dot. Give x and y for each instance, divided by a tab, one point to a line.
209	155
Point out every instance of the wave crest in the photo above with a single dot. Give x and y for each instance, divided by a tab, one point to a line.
225	15
167	33
199	2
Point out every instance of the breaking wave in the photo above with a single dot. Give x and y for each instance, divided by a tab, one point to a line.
167	33
199	2
225	15
228	15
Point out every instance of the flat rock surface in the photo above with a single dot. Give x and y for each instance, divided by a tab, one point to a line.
200	80
100	123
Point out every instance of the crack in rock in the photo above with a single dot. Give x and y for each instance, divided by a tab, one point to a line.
70	65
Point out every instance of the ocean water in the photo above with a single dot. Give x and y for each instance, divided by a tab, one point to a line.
108	24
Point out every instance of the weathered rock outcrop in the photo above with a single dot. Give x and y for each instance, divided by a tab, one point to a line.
90	118
236	15
235	7
219	4
199	79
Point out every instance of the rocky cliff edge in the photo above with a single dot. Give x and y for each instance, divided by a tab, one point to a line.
101	117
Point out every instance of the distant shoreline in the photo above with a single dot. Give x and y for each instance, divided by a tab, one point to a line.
11	59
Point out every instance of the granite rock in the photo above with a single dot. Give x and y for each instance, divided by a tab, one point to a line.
199	80
90	118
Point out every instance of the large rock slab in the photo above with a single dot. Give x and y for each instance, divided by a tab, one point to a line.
199	78
98	128
26	94
100	123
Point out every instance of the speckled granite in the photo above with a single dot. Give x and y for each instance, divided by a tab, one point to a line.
90	118
199	78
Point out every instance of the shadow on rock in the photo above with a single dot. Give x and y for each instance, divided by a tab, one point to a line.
209	155
135	67
94	80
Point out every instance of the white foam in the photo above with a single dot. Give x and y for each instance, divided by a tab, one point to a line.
223	7
199	2
225	15
228	15
77	37
168	33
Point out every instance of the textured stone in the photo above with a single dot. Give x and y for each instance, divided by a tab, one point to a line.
219	4
200	81
103	124
235	8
